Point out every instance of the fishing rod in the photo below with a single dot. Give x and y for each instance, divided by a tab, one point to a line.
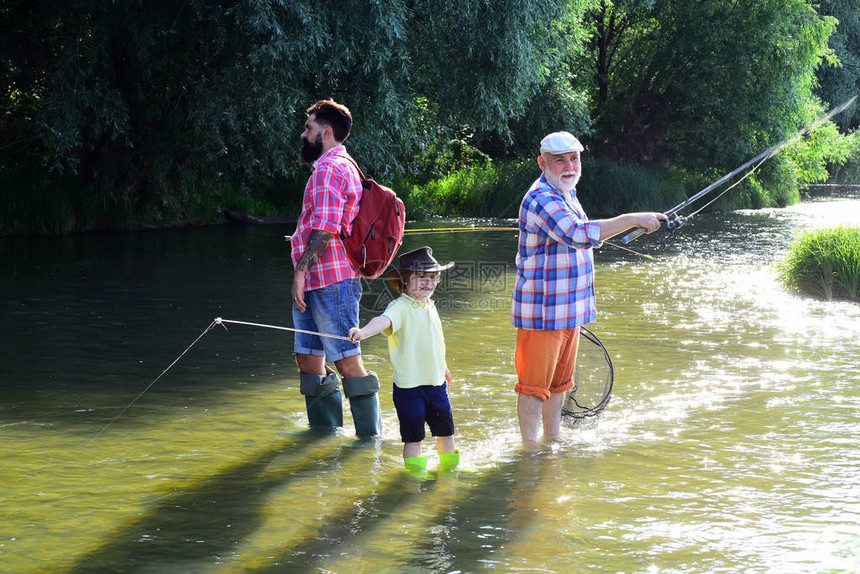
676	221
220	321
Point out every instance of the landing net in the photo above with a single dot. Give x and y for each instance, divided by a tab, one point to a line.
593	379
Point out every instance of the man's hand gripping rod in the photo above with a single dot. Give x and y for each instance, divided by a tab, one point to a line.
675	221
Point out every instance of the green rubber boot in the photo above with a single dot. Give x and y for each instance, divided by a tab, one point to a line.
362	393
415	465
322	400
325	412
449	460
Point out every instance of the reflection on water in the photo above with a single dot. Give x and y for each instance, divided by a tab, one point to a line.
730	444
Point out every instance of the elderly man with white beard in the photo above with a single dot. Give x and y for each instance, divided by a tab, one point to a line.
554	291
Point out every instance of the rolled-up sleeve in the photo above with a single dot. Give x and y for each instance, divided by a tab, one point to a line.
563	224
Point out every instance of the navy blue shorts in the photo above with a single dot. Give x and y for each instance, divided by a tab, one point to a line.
425	404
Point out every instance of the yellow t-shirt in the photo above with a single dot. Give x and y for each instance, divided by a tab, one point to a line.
415	343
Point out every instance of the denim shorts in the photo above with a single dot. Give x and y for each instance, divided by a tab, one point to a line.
331	310
424	404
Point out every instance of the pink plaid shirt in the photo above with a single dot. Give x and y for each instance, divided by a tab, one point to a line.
330	204
555	266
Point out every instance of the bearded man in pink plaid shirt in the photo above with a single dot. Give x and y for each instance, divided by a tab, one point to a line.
554	291
326	290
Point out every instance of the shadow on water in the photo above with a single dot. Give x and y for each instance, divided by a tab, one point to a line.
208	520
473	532
456	520
449	521
346	529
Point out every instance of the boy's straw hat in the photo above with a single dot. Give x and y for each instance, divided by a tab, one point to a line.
420	259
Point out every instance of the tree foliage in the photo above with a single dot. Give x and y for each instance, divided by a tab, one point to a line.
158	99
710	81
839	81
168	106
704	85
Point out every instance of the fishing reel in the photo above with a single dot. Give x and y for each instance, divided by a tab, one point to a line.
675	222
672	224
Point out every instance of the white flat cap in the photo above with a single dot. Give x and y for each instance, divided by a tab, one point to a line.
560	142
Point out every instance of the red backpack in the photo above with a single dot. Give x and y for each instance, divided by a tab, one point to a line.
377	230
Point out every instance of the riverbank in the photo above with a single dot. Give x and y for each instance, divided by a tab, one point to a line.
484	189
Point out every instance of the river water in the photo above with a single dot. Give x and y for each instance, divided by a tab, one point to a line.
732	441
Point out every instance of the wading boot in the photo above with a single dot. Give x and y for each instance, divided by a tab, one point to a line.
364	404
449	460
322	399
416	464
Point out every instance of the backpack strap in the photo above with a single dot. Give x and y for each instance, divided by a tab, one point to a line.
349	157
361	178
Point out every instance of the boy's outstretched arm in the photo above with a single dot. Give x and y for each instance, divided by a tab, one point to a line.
374	326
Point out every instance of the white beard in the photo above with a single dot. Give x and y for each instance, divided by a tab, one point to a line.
557	182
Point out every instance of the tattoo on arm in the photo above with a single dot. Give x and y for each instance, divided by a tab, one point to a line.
317	242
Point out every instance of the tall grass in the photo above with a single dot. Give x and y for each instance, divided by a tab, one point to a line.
38	204
609	188
496	190
849	172
824	263
487	190
45	205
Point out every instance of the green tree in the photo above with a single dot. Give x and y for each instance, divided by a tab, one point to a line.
159	102
611	26
841	81
562	102
707	84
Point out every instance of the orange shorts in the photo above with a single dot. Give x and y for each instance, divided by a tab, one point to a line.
545	361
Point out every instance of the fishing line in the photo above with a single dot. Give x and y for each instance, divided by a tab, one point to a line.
616	246
220	321
675	221
149	386
434	230
216	321
729	188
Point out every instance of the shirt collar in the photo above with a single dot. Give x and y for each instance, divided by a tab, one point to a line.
333	151
568	198
416	301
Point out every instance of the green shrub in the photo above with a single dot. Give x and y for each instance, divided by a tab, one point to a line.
848	173
496	190
38	203
45	204
609	188
824	263
488	190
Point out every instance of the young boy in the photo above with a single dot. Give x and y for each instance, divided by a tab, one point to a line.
417	349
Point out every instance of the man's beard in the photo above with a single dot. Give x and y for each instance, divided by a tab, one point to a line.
557	182
311	152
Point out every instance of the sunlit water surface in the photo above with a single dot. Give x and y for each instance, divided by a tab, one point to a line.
732	442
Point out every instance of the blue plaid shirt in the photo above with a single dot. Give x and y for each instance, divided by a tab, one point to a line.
555	266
